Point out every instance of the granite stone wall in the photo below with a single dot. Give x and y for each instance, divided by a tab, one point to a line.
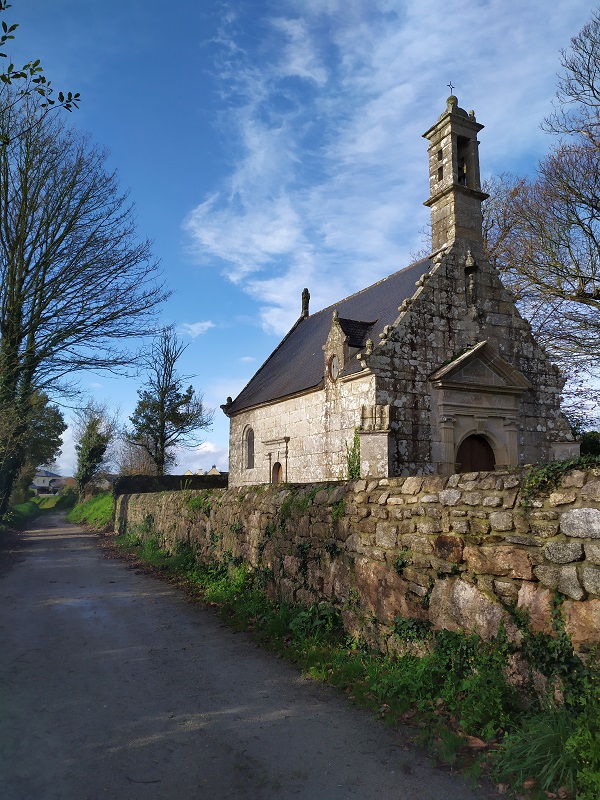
457	551
317	426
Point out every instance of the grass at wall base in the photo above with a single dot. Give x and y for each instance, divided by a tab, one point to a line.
22	514
531	743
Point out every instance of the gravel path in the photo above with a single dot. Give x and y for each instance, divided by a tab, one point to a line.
113	685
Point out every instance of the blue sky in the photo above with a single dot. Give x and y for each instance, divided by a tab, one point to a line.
270	145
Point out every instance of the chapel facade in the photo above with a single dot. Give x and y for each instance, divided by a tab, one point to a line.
433	367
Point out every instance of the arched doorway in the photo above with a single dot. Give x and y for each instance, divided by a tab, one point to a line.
277	473
475	454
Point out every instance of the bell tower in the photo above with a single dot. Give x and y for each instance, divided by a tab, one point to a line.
454	182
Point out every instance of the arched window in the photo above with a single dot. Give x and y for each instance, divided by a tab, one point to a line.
475	454
277	473
249	448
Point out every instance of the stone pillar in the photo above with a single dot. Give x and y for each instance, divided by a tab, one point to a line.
374	453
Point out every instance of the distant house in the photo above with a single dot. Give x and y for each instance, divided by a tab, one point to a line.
46	482
212	471
432	370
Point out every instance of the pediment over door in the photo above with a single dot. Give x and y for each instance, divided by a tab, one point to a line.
480	367
476	396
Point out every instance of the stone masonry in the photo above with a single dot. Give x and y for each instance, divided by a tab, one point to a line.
434	365
455	550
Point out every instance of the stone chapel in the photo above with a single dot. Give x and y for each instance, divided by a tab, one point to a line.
433	366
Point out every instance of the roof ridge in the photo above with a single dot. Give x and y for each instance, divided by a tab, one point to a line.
370	286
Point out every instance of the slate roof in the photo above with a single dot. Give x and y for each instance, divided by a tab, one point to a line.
297	365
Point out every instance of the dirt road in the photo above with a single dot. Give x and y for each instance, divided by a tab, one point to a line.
112	685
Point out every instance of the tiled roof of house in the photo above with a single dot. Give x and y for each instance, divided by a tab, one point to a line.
297	364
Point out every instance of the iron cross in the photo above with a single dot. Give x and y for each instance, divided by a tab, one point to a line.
451	87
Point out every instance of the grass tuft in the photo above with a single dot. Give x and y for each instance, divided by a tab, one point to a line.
96	512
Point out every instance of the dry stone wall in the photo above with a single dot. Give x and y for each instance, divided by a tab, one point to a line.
457	551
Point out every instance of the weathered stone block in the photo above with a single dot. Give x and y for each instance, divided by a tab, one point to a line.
449	548
395	501
510	498
561	498
501	520
537	602
472	498
506	589
492	502
592	552
507	561
564	579
379	512
536	515
480	527
591	491
590	577
575	478
386	535
290	566
412	485
582	621
457	605
450	497
434	483
428	526
563	552
418	544
545	530
460	526
429	498
581	522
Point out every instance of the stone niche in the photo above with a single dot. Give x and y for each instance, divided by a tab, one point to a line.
476	396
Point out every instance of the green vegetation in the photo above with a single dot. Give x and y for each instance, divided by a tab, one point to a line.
455	691
22	514
541	480
167	414
338	510
96	512
353	457
590	443
200	502
402	560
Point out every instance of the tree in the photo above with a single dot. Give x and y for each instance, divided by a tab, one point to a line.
167	414
29	80
95	431
543	233
75	282
134	460
42	443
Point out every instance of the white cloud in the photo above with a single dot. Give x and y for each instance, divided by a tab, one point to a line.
195	329
329	169
248	359
67	461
